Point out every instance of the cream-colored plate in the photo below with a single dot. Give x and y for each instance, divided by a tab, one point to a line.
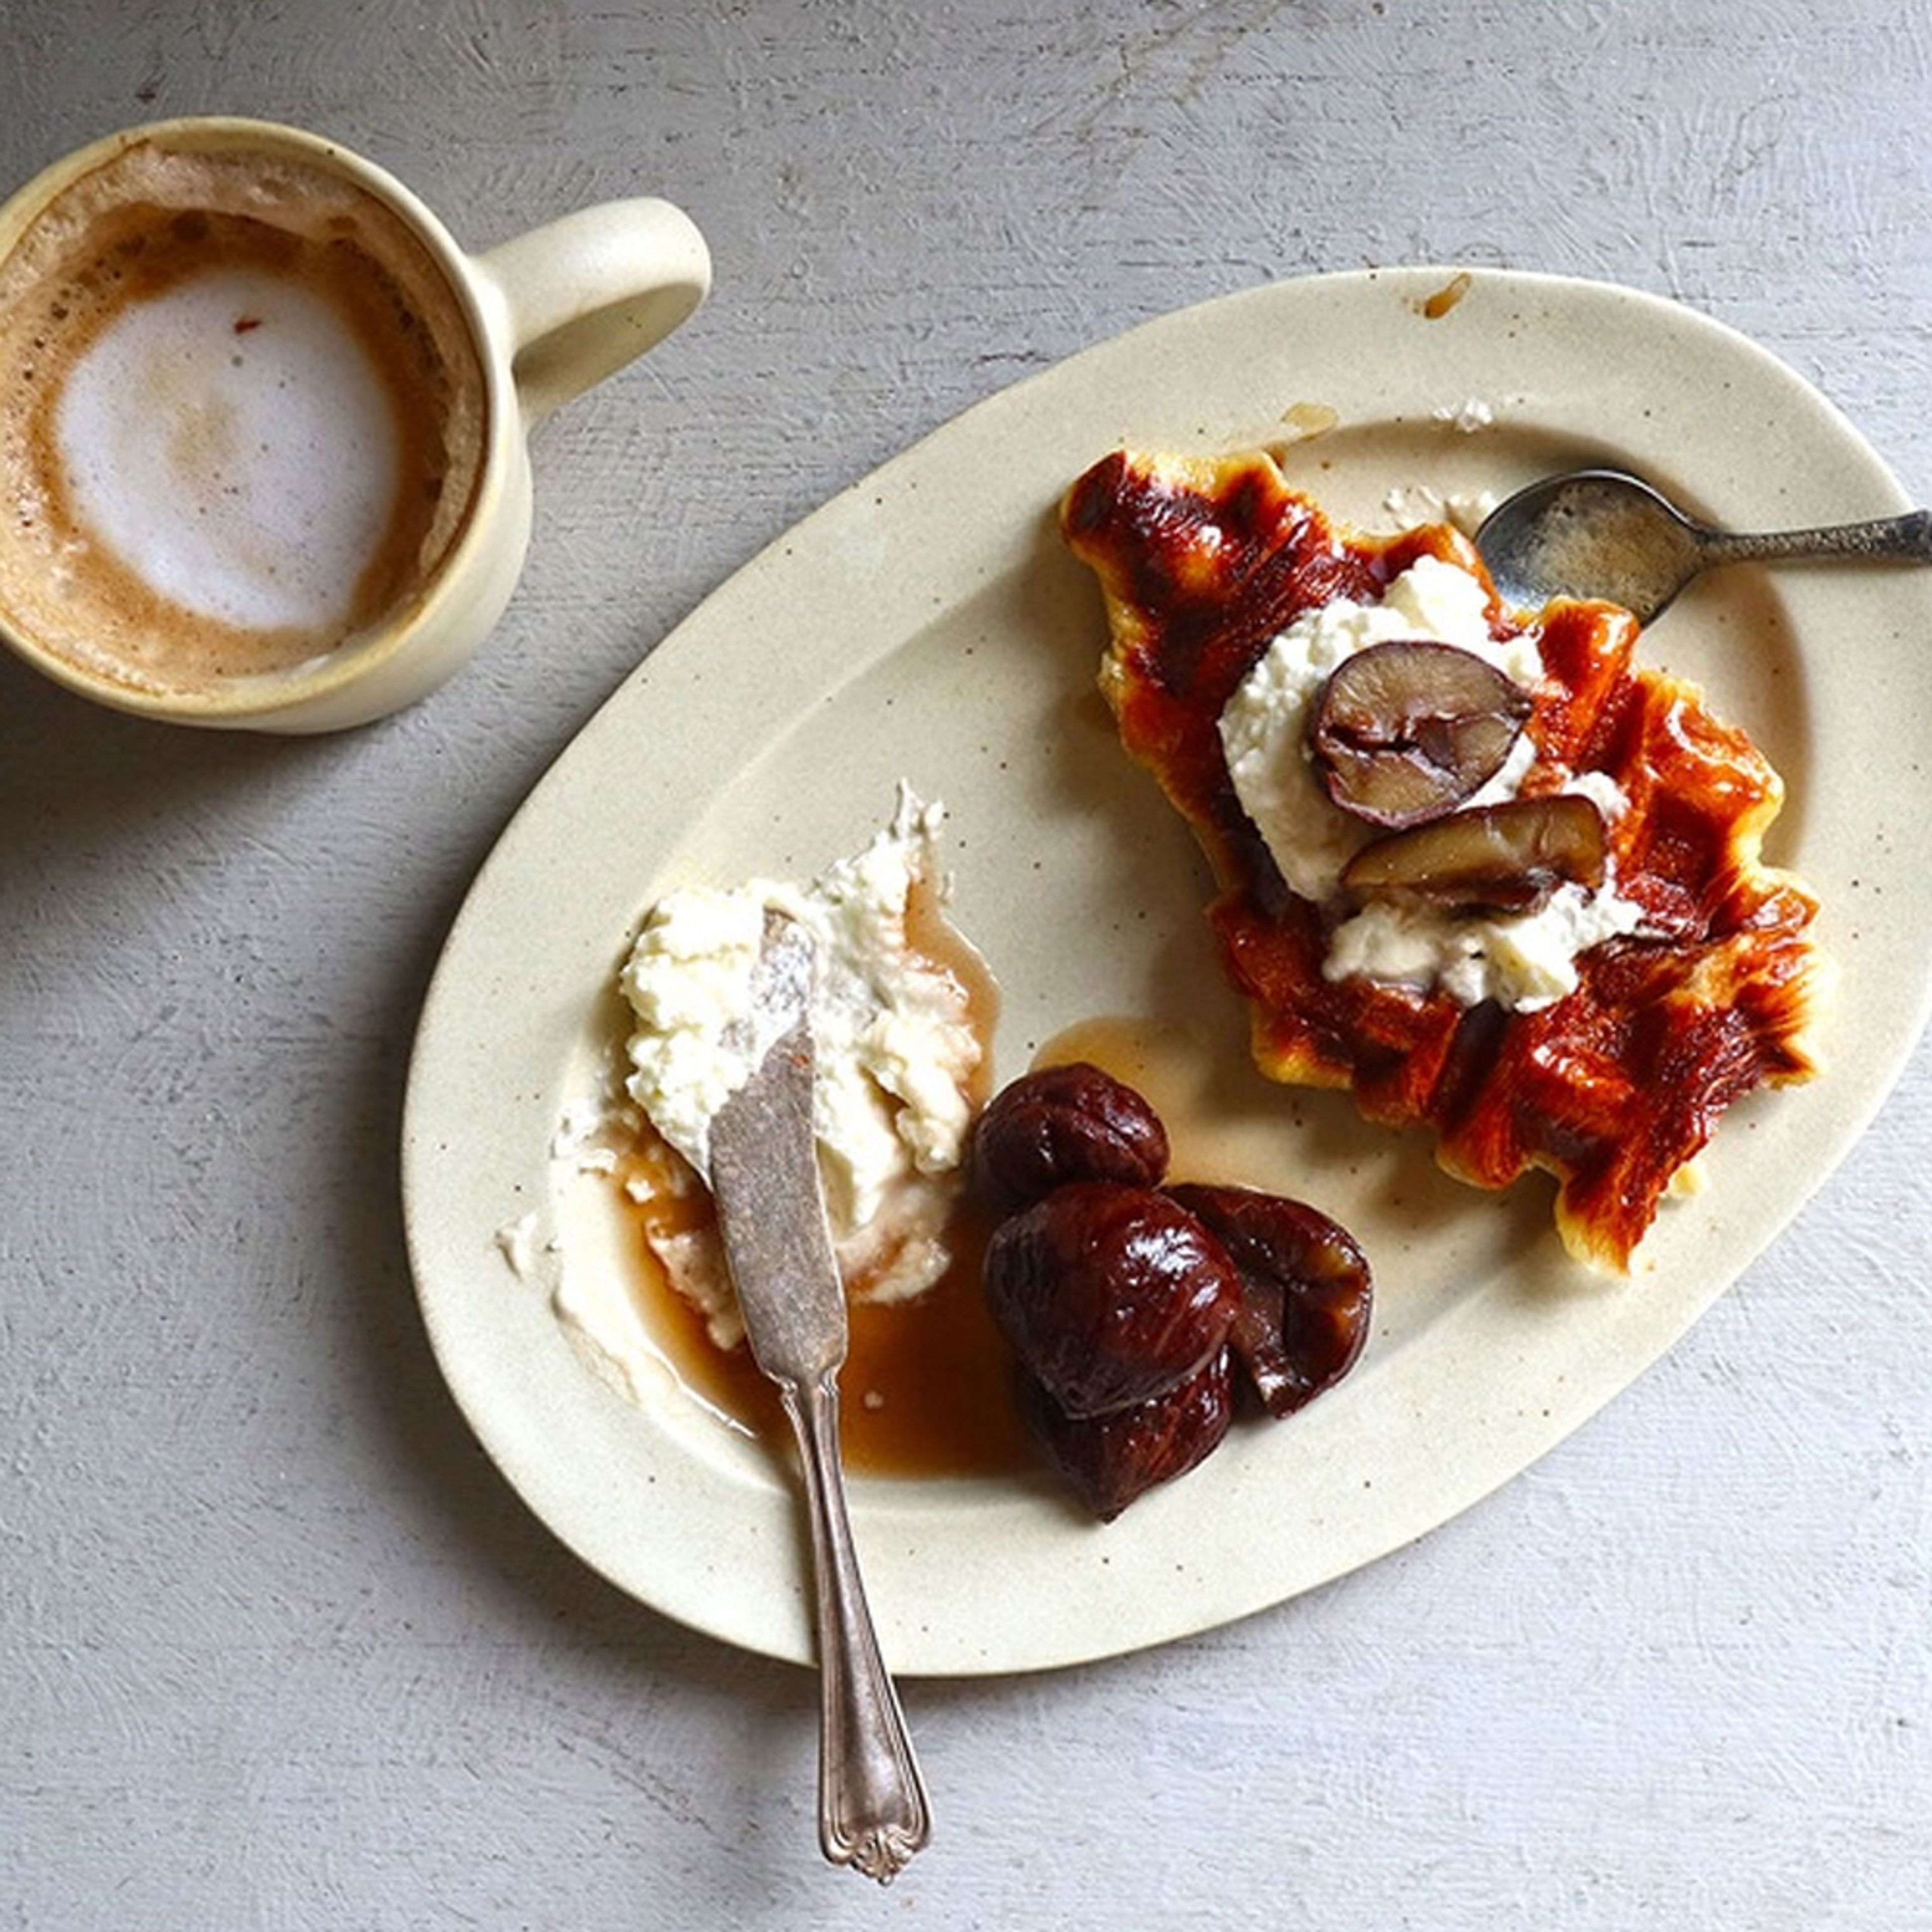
926	625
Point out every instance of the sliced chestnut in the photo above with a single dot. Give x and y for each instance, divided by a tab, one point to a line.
1063	1123
1495	858
1109	1293
1305	1291
1403	732
1110	1460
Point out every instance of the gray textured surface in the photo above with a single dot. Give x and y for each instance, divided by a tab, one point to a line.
278	1648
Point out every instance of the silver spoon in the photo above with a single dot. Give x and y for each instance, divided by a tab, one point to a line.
1600	533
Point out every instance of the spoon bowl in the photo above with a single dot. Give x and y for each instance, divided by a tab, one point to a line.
1602	534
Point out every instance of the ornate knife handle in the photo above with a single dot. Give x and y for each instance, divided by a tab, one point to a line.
872	1809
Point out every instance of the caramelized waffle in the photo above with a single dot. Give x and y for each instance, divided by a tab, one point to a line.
1615	1087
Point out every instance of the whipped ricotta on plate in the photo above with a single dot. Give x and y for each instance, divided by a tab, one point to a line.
899	1027
1522	960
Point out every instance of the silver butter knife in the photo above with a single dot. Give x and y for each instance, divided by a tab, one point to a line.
872	1809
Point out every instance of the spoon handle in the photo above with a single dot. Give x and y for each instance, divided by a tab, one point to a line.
873	1814
1909	538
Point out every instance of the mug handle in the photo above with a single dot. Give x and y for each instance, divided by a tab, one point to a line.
591	291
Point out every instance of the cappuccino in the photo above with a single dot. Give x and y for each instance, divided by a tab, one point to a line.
244	420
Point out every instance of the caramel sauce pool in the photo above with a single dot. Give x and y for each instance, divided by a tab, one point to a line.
926	1389
927	1386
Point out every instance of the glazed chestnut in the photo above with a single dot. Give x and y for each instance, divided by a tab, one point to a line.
1403	732
1063	1123
1107	1461
1305	1293
1109	1295
1509	857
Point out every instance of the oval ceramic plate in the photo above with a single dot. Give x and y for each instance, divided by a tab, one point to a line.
927	625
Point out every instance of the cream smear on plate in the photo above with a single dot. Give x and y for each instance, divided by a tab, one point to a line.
900	1027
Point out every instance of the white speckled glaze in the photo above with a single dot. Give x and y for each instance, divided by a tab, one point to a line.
1085	895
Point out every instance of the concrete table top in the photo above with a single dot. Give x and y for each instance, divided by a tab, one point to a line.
279	1648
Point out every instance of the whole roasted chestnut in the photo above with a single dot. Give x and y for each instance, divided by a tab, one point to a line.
1109	1293
1063	1123
1306	1292
1109	1460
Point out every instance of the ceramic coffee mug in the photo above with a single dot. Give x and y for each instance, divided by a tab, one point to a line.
263	439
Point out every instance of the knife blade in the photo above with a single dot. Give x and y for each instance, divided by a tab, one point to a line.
764	1171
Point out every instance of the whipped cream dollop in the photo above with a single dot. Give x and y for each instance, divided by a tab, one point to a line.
898	1036
1522	960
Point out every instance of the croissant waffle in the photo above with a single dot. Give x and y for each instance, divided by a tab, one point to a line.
1615	1087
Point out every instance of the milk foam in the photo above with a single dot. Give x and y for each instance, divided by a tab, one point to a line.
230	441
244	418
